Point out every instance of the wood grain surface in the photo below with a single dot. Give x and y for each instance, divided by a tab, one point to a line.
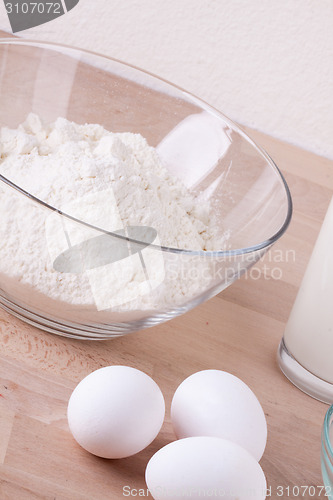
238	331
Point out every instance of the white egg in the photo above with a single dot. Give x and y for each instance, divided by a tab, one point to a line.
205	467
116	411
216	403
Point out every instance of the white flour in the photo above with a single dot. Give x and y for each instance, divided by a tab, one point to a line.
64	163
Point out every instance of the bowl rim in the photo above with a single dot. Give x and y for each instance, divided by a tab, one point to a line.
326	431
264	245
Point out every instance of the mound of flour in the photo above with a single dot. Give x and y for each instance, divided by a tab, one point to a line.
110	180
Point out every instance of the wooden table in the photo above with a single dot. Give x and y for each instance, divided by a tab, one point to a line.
238	331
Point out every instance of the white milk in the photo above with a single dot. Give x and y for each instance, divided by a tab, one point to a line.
309	331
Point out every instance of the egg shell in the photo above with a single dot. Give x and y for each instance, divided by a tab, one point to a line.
216	403
116	411
205	467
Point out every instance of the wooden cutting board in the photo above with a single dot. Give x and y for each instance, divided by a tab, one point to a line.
238	331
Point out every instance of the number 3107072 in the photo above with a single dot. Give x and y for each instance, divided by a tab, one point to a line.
33	8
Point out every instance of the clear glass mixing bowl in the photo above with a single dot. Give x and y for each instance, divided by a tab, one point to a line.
210	154
327	453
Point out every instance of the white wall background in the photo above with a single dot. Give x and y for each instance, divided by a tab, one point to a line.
267	64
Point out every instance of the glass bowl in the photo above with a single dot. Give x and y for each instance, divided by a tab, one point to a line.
40	277
327	453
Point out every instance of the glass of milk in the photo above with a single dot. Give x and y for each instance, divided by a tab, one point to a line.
306	351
